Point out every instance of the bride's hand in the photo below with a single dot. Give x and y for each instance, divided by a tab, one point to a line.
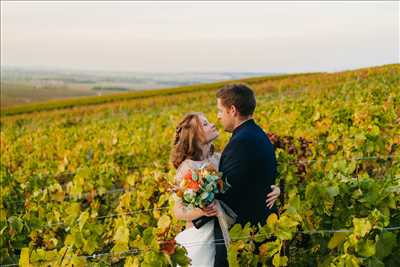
211	210
272	197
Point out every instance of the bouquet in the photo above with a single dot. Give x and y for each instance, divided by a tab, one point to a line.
199	187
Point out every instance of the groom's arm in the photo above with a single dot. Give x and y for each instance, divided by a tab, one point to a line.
235	166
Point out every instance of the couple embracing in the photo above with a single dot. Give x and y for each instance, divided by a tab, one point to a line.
247	164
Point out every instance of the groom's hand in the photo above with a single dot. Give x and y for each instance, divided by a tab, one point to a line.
272	197
211	210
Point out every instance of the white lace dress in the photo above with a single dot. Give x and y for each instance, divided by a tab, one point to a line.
199	243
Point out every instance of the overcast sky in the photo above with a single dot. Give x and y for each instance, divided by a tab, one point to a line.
200	36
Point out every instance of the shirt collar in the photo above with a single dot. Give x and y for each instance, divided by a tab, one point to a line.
243	124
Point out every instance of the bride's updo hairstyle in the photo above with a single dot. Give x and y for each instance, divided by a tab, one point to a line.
189	137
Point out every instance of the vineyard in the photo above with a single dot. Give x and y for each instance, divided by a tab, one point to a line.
87	185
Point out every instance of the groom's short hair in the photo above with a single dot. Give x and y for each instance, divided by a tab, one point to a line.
239	95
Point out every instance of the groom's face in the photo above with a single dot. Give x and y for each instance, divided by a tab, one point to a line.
226	116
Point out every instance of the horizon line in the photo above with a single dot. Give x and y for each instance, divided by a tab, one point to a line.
49	68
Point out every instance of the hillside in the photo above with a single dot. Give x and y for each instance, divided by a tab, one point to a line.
89	176
72	102
21	86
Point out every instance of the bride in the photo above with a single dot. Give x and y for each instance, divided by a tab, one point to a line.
191	150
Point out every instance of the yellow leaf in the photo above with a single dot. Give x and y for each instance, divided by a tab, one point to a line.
24	258
121	234
164	223
58	196
331	147
78	261
316	116
115	141
126	200
361	226
272	219
132	262
131	180
82	219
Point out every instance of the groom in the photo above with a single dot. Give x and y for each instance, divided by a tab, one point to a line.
248	162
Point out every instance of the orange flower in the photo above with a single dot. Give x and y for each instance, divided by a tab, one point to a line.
193	185
188	175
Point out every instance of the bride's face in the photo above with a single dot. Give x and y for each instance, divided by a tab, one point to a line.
210	131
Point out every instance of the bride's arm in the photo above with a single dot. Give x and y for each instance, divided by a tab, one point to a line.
180	211
183	213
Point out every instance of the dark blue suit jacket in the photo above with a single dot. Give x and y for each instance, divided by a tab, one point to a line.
248	163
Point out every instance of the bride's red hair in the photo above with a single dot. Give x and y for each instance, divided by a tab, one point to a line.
189	136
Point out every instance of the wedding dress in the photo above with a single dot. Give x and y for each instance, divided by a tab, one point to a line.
199	243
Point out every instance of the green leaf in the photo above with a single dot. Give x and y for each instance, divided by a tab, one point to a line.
385	244
78	261
16	223
89	246
287	222
348	260
366	248
180	257
52	256
235	232
374	262
120	247
336	239
72	212
284	233
333	191
279	260
233	255
153	258
38	255
271	248
247	230
373	130
83	172
261	235
148	235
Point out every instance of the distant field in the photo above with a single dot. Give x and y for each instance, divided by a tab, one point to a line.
32	86
13	94
92	99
